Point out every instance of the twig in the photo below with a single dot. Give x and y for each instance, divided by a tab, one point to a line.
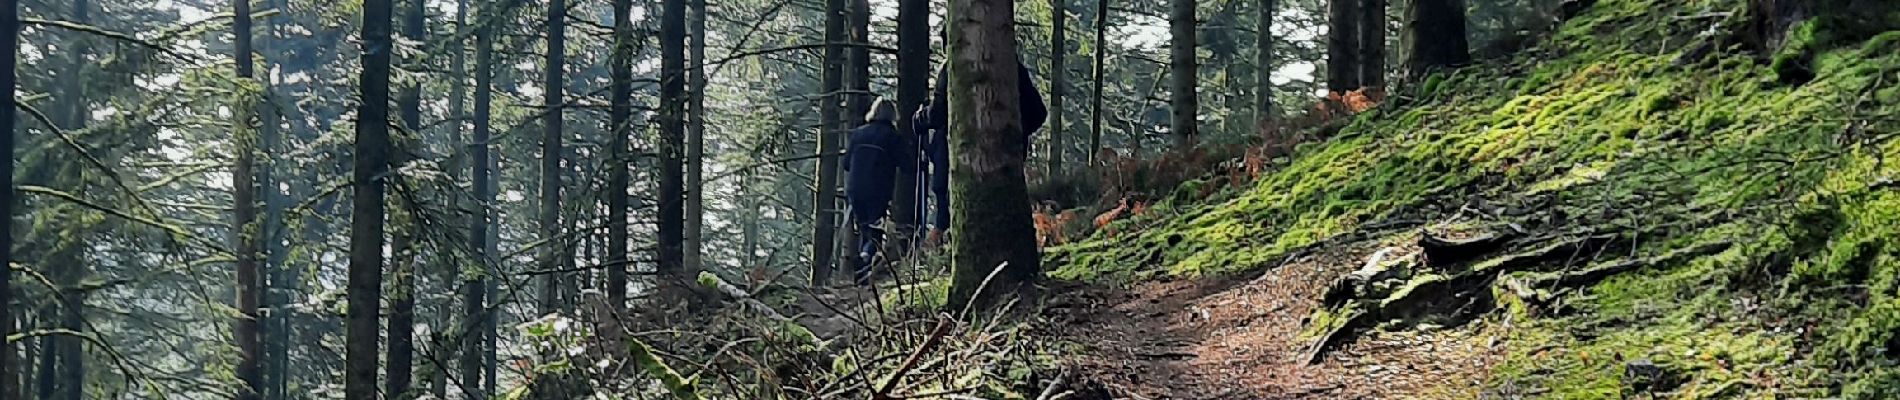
936	337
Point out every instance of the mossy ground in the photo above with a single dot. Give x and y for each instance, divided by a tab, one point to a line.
1608	126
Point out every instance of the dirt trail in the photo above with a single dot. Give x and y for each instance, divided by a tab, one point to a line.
1237	338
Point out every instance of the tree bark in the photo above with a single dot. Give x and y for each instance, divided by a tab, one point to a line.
244	194
402	314
620	120
824	229
1101	70
1434	36
696	141
1342	46
913	88
277	284
451	271
366	219
478	318
69	350
1263	64
857	99
989	199
672	135
1185	73
1372	30
1058	79
9	44
554	250
858	64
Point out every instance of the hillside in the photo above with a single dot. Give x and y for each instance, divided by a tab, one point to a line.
1639	203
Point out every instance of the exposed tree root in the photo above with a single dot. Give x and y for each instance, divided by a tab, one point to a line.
1351	308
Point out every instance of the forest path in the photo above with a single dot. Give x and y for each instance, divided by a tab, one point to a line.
1238	338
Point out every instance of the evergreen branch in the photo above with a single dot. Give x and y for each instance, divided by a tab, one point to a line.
174	230
90	159
102	32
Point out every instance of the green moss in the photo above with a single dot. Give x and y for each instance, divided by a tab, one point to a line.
1610	130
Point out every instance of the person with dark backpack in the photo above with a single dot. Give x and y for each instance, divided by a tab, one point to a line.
935	118
871	158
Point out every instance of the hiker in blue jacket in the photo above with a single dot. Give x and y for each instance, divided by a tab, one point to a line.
871	159
936	146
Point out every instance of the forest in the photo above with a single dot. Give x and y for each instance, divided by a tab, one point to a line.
950	199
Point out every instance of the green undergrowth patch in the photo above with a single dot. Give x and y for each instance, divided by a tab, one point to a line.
1620	133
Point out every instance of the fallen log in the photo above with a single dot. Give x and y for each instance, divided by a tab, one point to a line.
1441	252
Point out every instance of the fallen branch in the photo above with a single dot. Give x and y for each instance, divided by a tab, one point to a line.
936	337
798	332
1443	252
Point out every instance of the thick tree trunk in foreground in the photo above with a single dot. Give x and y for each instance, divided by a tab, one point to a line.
1185	72
244	193
1342	46
1263	63
989	200
9	44
1434	36
620	120
366	219
824	229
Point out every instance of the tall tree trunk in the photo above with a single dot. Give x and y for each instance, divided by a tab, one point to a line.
554	250
696	141
1058	80
1185	72
1263	64
858	63
366	217
1342	46
1101	71
857	77
446	352
9	44
824	228
277	285
672	136
244	192
990	204
620	122
1434	36
913	89
476	314
68	255
402	313
1372	31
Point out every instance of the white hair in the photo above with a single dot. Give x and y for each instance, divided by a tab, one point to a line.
881	110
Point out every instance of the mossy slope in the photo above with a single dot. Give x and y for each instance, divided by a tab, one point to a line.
1636	116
